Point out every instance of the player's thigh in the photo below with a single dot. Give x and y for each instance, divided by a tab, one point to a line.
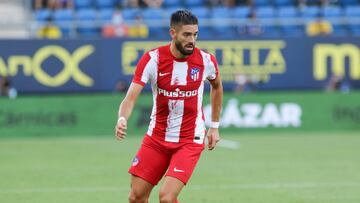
150	162
184	160
140	188
170	189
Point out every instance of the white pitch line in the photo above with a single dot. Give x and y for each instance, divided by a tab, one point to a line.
264	186
277	186
228	144
69	189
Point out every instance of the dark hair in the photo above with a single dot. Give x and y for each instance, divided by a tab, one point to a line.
183	17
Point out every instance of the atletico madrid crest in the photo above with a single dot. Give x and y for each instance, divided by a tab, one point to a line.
195	73
135	161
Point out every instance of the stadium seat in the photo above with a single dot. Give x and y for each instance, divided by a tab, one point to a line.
172	3
102	4
105	15
270	31
310	12
153	18
86	14
338	29
83	4
42	14
287	11
258	3
353	11
153	14
349	2
64	19
170	10
222	27
87	22
291	30
63	15
194	3
167	13
265	12
221	12
203	14
285	14
241	12
120	2
332	11
283	3
130	13
313	2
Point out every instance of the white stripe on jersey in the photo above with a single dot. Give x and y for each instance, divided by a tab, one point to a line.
179	73
150	70
153	112
199	123
155	58
174	120
209	66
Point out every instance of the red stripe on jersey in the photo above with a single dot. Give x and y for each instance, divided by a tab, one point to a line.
140	69
191	104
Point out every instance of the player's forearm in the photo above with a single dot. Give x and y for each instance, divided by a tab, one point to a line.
126	108
216	95
129	101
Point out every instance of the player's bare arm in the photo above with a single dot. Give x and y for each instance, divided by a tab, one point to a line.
125	110
216	95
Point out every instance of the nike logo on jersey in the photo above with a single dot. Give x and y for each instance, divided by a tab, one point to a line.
177	170
163	74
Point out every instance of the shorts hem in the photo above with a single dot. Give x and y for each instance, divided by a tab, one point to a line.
154	183
169	175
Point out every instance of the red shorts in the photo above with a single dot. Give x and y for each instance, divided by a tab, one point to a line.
155	157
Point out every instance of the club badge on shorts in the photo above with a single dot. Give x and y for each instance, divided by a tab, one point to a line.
135	161
195	73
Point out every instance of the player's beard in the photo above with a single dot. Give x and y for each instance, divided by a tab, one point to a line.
182	49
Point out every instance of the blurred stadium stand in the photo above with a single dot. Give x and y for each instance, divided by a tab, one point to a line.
277	17
14	18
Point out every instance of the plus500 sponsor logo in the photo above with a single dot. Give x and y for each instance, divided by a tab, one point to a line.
177	93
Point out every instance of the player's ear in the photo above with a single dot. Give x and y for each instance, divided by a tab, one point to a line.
172	32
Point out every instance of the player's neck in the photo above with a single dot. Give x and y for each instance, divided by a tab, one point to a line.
175	52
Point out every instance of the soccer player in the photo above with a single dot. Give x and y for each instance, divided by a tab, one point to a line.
175	137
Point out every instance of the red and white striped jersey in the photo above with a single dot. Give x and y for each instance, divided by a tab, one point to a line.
177	86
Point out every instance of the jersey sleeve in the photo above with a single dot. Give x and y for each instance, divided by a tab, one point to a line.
144	70
212	68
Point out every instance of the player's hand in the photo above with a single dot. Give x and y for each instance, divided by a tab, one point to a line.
120	128
213	138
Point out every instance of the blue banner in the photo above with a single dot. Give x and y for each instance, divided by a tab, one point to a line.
97	65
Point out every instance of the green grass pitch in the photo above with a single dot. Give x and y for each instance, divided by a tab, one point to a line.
266	168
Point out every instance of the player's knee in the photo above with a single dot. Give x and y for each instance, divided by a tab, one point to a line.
135	197
166	197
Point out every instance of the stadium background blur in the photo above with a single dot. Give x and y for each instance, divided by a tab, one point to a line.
291	116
